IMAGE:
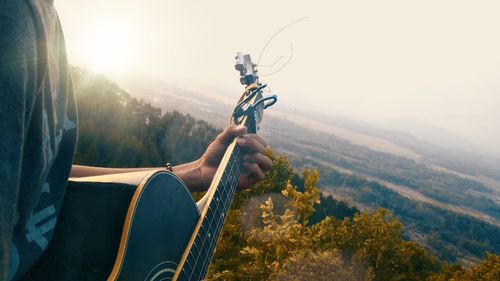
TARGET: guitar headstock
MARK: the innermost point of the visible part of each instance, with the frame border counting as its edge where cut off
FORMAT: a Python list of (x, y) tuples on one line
[(250, 108)]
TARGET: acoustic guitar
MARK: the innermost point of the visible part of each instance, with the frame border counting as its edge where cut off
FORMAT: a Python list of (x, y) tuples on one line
[(165, 235)]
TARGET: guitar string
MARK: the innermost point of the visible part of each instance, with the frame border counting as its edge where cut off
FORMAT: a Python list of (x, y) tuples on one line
[(212, 242), (231, 183), (230, 179), (203, 249), (220, 219)]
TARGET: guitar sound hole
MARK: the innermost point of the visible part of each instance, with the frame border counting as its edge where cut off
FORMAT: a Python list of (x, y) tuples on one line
[(162, 271)]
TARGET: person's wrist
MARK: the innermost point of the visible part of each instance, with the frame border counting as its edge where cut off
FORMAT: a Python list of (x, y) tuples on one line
[(197, 173), (194, 176)]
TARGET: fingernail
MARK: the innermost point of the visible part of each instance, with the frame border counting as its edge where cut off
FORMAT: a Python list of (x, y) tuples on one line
[(240, 141)]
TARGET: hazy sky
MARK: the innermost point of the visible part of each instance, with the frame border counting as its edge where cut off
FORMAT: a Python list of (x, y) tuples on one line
[(434, 61)]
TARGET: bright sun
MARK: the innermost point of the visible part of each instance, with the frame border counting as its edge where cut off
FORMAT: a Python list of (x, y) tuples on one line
[(110, 47)]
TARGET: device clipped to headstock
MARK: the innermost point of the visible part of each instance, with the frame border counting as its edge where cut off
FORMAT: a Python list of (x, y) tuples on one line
[(247, 69), (253, 102)]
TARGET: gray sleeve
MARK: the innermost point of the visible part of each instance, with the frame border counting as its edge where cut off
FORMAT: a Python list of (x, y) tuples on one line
[(18, 84)]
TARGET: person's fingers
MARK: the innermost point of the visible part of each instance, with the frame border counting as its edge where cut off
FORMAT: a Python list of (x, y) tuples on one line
[(257, 138), (260, 159), (252, 142), (254, 171), (230, 133), (251, 181)]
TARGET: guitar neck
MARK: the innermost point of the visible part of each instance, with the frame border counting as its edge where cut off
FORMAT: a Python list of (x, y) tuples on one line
[(196, 258), (201, 246)]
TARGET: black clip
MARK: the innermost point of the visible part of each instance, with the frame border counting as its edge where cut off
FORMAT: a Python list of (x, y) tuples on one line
[(253, 111), (273, 99), (250, 96)]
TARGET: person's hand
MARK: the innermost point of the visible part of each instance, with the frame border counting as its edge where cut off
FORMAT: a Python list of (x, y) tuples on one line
[(255, 162)]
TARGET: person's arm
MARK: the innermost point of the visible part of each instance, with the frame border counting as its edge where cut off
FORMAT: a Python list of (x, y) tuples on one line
[(188, 172), (80, 171), (197, 175)]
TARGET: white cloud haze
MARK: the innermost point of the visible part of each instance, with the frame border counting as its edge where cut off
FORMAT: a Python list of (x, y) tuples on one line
[(434, 61)]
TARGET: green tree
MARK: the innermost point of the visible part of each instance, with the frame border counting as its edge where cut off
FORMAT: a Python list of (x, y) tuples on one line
[(118, 130), (487, 270), (328, 265), (377, 239), (230, 261), (303, 202)]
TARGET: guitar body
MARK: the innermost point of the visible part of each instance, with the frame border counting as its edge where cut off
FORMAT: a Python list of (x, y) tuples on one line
[(159, 199), (120, 232)]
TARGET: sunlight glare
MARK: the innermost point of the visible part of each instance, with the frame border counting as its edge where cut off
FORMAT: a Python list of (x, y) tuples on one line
[(110, 47)]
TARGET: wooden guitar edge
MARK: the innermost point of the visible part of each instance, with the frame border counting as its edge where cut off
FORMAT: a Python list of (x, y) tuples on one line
[(127, 225)]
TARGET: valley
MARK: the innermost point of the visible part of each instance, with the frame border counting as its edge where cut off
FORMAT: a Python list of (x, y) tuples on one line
[(427, 187)]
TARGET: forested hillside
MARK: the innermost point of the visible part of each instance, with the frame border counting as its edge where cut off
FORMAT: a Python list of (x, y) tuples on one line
[(121, 131), (283, 228), (444, 187), (451, 236)]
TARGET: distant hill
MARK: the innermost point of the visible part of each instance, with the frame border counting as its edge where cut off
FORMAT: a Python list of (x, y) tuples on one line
[(447, 175)]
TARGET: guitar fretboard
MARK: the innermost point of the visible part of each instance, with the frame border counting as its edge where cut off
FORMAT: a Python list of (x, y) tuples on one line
[(200, 254)]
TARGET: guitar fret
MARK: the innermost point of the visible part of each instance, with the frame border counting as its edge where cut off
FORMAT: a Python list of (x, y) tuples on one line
[(203, 251), (188, 266), (184, 273), (220, 221), (210, 211), (195, 251), (205, 267), (199, 238), (202, 233), (218, 212), (194, 274), (206, 260), (212, 245), (198, 241), (198, 271), (197, 265), (211, 226)]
